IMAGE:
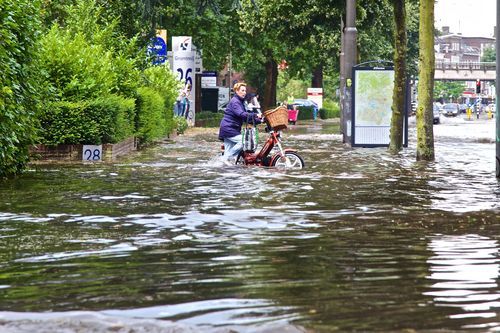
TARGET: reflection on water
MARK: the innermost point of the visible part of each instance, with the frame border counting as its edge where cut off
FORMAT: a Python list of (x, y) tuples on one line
[(359, 240), (465, 270)]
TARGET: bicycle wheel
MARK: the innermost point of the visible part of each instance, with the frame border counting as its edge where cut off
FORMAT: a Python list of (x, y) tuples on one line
[(291, 160)]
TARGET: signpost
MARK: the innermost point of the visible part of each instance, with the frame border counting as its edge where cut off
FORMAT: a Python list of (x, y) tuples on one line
[(315, 95), (372, 107), (157, 50), (183, 63)]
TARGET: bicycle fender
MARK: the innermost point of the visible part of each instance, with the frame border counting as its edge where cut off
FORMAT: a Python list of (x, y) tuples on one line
[(278, 155)]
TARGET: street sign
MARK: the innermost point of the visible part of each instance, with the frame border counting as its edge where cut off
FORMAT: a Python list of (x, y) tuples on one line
[(157, 48), (372, 107)]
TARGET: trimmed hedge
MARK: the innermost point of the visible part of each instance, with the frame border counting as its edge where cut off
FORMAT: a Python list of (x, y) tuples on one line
[(330, 109), (151, 120), (104, 120), (208, 119), (305, 112)]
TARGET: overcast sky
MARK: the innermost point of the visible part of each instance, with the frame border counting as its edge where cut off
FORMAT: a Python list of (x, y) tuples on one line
[(474, 18)]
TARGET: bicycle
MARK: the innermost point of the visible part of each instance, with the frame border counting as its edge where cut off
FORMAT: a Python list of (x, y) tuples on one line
[(276, 120)]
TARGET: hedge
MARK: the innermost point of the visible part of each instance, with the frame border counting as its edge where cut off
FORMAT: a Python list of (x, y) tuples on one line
[(108, 119), (152, 122), (19, 81), (330, 109), (305, 112)]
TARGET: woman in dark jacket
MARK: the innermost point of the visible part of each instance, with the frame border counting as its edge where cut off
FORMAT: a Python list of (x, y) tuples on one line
[(234, 116)]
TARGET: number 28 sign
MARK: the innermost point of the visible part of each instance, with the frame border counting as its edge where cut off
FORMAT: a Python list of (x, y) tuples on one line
[(92, 153)]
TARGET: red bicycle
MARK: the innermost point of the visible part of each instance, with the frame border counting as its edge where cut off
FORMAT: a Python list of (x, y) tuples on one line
[(276, 120)]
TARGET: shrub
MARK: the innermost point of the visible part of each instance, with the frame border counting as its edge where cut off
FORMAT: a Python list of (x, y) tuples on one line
[(115, 116), (305, 112), (151, 119), (20, 81), (76, 69), (208, 119), (161, 80), (330, 109), (66, 122), (180, 124), (104, 120)]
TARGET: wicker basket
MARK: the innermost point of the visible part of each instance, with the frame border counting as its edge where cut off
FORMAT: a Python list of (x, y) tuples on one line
[(277, 118)]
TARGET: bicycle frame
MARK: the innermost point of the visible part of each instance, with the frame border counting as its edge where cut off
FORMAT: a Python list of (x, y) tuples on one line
[(261, 158)]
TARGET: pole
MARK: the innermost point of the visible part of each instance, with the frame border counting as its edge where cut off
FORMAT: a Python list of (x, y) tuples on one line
[(342, 81), (350, 56), (230, 79), (497, 90)]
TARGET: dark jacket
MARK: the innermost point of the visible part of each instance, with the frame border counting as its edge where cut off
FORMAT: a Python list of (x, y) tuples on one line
[(233, 119)]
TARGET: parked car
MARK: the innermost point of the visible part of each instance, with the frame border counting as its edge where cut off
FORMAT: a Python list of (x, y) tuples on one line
[(451, 109), (463, 107), (306, 102), (436, 111)]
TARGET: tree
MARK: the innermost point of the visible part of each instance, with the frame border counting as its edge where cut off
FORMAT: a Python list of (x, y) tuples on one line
[(489, 55), (425, 134), (447, 89), (399, 92)]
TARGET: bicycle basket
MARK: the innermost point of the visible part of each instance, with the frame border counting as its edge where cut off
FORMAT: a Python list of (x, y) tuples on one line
[(277, 118)]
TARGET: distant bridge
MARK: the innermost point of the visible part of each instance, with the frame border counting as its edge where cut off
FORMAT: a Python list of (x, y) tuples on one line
[(465, 71)]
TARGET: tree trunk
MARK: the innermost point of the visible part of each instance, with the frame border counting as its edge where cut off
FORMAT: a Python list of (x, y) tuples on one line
[(317, 78), (425, 134), (399, 92), (270, 84)]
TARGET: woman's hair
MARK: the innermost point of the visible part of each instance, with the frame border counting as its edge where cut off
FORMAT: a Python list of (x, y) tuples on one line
[(238, 85)]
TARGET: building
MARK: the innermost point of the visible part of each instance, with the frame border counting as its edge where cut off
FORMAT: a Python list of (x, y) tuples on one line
[(451, 47), (454, 48)]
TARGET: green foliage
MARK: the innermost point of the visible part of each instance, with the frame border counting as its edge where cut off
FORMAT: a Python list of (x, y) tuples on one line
[(445, 89), (76, 69), (66, 122), (330, 109), (489, 55), (157, 81), (180, 124), (115, 116), (162, 80), (209, 119), (151, 121), (305, 112), (288, 86), (20, 81), (94, 77), (106, 119)]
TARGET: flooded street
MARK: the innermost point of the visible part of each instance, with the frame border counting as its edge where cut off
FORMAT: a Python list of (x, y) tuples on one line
[(170, 240)]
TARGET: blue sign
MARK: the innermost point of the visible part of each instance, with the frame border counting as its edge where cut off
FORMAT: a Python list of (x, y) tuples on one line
[(157, 50)]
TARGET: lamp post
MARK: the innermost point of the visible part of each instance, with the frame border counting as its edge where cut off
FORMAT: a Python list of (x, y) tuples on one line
[(349, 60)]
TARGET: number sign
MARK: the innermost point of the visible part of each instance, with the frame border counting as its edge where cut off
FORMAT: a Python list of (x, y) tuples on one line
[(92, 153)]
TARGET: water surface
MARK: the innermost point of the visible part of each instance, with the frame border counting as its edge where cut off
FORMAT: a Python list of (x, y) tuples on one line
[(169, 239)]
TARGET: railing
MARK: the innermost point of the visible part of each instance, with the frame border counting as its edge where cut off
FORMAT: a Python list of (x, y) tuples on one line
[(472, 66)]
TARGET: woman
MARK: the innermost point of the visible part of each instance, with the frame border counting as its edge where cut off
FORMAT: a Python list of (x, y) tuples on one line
[(230, 125)]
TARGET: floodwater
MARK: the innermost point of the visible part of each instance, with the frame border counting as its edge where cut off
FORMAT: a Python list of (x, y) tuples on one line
[(169, 240)]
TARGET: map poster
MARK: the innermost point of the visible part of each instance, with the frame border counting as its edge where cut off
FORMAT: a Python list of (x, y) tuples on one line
[(372, 106)]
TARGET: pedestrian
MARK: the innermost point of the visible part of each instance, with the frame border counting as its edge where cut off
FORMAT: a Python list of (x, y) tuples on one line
[(234, 117), (255, 102)]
